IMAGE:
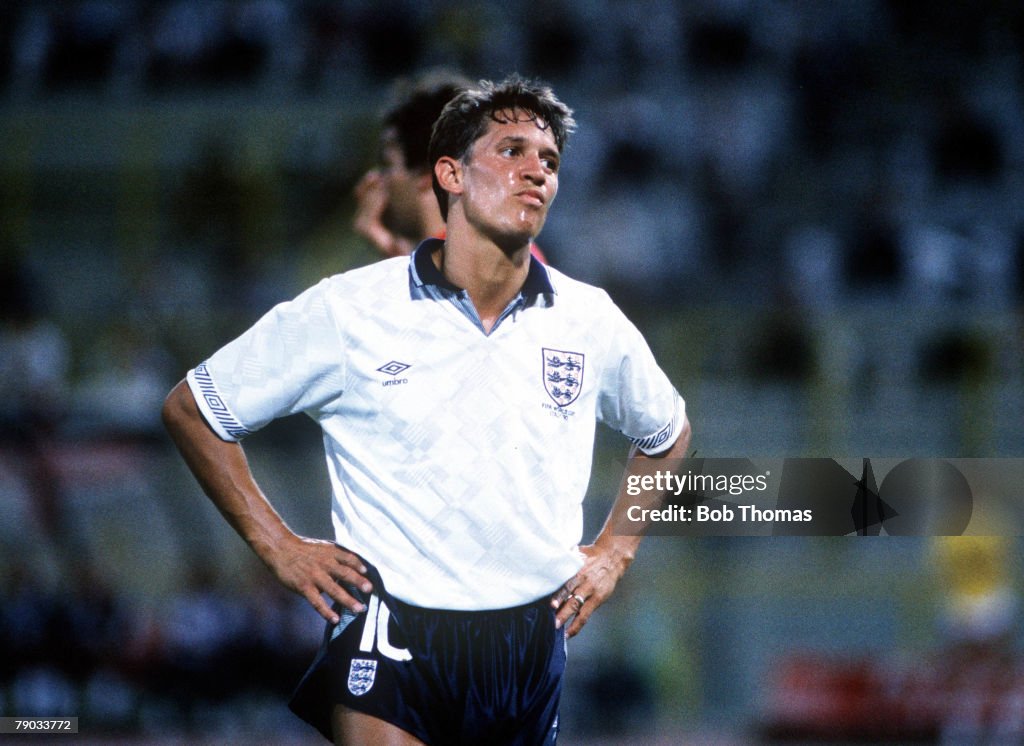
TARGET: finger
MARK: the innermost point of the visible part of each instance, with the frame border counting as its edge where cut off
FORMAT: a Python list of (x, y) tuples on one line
[(564, 593), (349, 576), (559, 598), (569, 607), (322, 608), (327, 576), (349, 559), (562, 615), (582, 615), (353, 569), (564, 607), (577, 623), (338, 594)]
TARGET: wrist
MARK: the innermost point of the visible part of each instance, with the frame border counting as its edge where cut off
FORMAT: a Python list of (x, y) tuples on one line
[(271, 545), (620, 550)]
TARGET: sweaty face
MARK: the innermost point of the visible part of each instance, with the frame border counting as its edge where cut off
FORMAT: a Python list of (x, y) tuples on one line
[(510, 178)]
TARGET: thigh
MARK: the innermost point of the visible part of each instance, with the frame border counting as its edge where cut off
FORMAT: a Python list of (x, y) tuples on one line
[(363, 667), (352, 728)]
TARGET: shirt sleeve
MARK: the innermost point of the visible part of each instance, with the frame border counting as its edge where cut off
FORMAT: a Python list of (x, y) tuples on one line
[(291, 360), (636, 397)]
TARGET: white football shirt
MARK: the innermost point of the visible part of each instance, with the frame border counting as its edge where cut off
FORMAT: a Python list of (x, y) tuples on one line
[(458, 460)]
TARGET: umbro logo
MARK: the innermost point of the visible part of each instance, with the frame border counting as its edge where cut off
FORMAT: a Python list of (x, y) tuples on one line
[(392, 369)]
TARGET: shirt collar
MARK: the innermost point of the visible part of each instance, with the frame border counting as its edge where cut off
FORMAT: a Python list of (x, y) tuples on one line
[(425, 273)]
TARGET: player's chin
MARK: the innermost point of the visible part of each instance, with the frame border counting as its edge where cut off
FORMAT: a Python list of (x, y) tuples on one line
[(530, 224), (511, 243), (513, 237)]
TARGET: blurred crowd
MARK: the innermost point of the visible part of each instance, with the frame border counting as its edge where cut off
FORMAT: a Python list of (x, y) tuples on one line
[(204, 660), (791, 160), (817, 152)]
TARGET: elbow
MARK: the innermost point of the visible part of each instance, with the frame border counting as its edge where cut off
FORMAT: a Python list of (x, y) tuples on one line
[(175, 408), (683, 441)]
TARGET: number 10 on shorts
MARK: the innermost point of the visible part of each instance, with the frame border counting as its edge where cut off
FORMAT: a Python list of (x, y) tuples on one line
[(377, 617)]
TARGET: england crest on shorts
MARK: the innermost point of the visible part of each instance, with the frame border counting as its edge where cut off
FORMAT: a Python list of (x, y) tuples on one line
[(563, 375), (361, 674)]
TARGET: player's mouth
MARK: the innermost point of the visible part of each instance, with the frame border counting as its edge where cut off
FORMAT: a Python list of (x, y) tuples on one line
[(533, 196)]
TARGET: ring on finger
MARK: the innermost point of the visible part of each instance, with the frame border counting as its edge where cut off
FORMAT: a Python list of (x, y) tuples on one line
[(579, 600)]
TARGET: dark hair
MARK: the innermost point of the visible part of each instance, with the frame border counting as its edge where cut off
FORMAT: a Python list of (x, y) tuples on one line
[(465, 119), (415, 105)]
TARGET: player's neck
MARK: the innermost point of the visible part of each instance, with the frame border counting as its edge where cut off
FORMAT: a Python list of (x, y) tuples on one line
[(491, 275)]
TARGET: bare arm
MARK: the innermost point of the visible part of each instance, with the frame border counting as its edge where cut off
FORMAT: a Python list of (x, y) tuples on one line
[(309, 567), (608, 558)]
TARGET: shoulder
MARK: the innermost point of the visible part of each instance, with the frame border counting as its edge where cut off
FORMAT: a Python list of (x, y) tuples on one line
[(376, 289), (372, 283), (579, 295), (587, 307), (384, 270)]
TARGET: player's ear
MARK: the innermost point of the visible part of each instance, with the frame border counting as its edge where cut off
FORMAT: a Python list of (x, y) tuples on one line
[(448, 172)]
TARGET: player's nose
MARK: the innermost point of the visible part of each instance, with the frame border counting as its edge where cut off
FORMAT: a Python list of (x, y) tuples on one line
[(533, 169)]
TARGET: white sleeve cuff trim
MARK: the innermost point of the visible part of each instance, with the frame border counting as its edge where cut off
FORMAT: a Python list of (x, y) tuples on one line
[(213, 407), (652, 445)]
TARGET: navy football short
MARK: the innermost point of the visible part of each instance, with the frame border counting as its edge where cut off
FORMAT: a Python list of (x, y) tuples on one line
[(447, 677)]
